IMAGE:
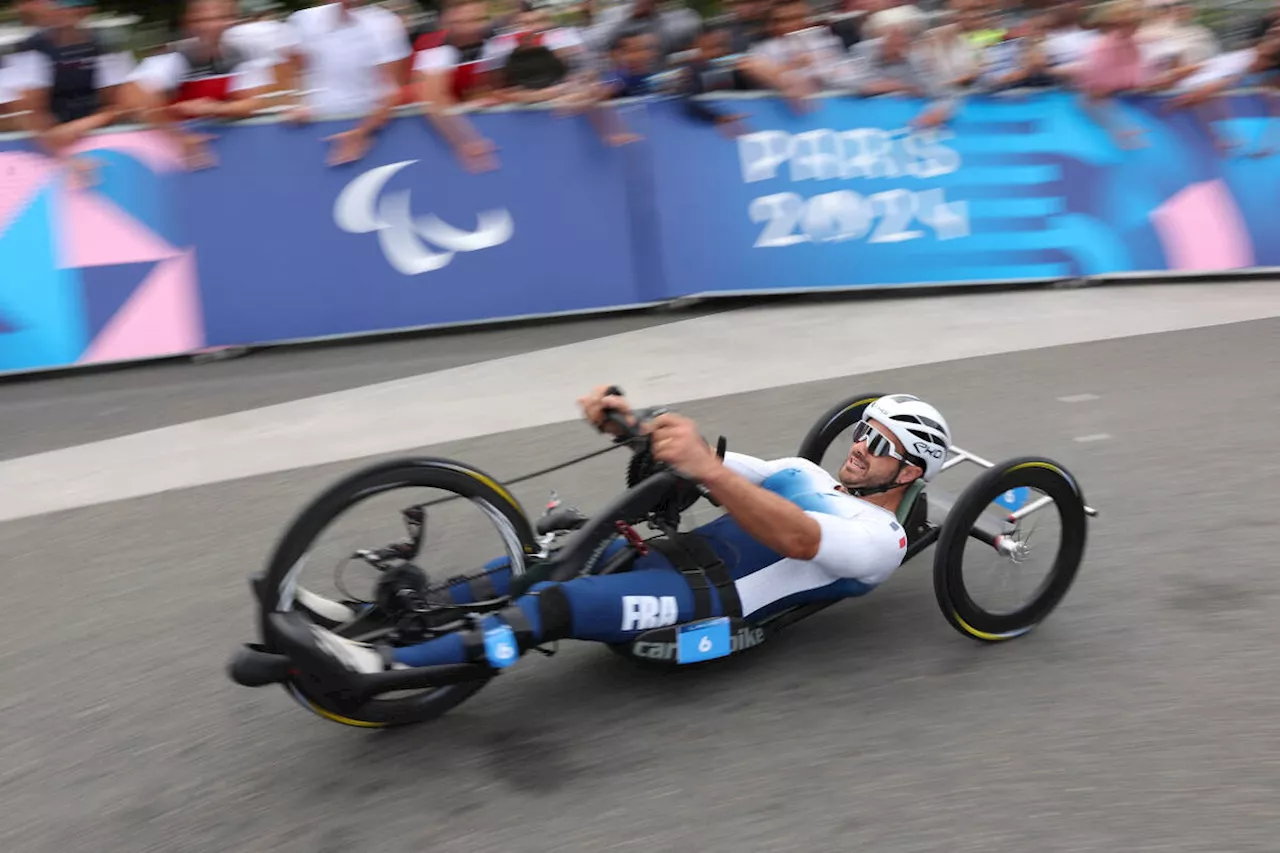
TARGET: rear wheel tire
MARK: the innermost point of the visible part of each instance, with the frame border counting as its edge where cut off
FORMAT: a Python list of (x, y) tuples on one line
[(834, 421), (278, 588)]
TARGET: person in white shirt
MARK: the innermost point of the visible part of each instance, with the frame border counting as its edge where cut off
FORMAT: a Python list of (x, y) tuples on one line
[(259, 34), (10, 97), (799, 59), (1203, 92), (346, 58)]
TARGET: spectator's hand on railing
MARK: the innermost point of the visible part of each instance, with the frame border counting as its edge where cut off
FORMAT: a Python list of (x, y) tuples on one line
[(298, 114), (348, 146), (935, 116), (195, 151), (731, 126), (477, 155), (198, 108)]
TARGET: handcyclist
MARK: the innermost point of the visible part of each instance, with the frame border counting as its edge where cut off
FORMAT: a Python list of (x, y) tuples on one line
[(791, 534)]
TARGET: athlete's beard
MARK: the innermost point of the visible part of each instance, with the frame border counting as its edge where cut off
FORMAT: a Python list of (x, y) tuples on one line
[(885, 485)]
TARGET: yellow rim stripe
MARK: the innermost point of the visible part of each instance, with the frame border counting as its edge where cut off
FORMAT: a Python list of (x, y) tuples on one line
[(1054, 468), (983, 635), (865, 402), (329, 715)]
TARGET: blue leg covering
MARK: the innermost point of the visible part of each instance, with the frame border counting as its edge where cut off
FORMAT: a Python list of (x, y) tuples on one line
[(618, 607)]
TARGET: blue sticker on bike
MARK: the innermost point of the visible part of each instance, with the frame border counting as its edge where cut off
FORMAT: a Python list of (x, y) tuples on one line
[(703, 641), (1014, 499), (500, 646)]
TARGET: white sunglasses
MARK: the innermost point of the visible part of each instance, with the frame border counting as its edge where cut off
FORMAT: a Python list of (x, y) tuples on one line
[(878, 444)]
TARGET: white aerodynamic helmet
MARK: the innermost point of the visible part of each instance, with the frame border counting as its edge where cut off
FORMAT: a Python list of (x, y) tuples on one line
[(920, 427)]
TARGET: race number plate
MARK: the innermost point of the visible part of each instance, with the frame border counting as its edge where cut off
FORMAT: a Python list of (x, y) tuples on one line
[(703, 641), (500, 646)]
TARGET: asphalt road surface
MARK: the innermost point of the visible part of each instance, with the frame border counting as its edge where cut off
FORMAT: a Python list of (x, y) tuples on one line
[(1142, 716)]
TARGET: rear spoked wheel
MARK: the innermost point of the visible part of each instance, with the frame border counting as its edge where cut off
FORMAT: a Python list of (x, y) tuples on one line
[(441, 517), (1010, 549)]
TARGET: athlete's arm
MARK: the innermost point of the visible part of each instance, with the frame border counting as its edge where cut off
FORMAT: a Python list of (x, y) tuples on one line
[(867, 547), (768, 518), (752, 468)]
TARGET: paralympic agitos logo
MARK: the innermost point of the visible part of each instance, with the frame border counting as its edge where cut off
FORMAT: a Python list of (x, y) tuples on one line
[(411, 245)]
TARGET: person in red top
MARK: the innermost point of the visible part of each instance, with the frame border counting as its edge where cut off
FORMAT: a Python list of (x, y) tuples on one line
[(448, 71), (198, 78)]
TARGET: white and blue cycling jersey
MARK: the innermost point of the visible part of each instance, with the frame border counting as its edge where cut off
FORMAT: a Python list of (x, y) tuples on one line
[(861, 546)]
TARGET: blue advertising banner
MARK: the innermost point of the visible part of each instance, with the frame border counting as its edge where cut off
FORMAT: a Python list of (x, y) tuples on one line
[(290, 247), (273, 244), (1014, 188)]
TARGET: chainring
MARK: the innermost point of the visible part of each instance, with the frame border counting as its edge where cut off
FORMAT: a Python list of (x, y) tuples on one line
[(685, 494)]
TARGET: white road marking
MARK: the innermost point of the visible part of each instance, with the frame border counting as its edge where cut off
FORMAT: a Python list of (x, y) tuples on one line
[(1078, 398), (730, 353), (1097, 436)]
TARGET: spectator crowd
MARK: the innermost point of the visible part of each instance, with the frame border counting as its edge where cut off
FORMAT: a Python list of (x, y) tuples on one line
[(363, 61)]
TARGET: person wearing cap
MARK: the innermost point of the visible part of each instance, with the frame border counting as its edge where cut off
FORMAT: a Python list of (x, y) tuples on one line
[(346, 57), (69, 82)]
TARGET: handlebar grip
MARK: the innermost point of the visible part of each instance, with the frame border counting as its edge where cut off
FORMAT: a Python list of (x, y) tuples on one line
[(613, 415)]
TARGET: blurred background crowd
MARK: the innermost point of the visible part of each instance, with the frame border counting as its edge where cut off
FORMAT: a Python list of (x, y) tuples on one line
[(71, 67)]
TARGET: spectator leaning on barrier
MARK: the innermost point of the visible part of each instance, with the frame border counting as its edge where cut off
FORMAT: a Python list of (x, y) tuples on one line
[(890, 61), (346, 57), (200, 77), (10, 97), (1115, 65), (709, 68), (1022, 61), (259, 33), (1203, 92), (69, 82), (448, 72), (1262, 26), (674, 27), (1068, 43), (537, 62), (631, 71), (952, 58), (1174, 46), (799, 59), (747, 22)]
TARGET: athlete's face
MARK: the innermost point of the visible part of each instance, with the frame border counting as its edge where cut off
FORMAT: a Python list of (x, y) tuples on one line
[(861, 469)]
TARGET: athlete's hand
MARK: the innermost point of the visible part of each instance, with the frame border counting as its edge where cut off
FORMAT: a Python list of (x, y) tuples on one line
[(677, 442), (595, 404)]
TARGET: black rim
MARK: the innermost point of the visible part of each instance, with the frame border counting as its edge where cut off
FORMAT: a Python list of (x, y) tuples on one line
[(834, 421), (949, 583), (440, 474)]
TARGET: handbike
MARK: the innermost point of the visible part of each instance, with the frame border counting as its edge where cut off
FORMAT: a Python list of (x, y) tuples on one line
[(563, 544)]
